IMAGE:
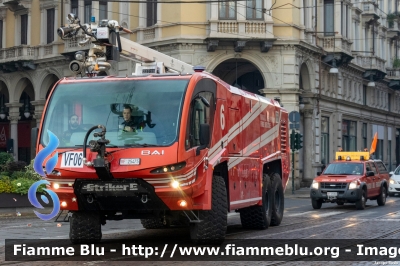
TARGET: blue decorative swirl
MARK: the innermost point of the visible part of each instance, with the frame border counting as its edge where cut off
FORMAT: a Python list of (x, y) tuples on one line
[(41, 156), (32, 198)]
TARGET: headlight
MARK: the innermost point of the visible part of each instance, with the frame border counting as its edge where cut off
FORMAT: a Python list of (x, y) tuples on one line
[(169, 168), (315, 185), (354, 185), (391, 181)]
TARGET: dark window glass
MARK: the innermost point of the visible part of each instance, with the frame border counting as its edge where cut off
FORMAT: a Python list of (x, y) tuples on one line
[(50, 25), (254, 9), (88, 11), (102, 10), (1, 34), (151, 13), (349, 135), (381, 168), (227, 10), (24, 29), (74, 7), (329, 18)]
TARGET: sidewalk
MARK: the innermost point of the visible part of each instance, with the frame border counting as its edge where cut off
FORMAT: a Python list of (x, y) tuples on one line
[(300, 193), (22, 211)]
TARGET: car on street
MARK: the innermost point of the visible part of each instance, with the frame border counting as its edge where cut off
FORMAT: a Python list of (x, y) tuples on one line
[(394, 182), (351, 178)]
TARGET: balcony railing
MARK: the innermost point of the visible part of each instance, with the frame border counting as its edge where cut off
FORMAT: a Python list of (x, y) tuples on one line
[(23, 52), (370, 62), (28, 53), (334, 45), (393, 73), (242, 29)]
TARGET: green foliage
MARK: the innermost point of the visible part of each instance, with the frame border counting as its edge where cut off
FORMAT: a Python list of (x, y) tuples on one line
[(396, 63), (22, 185), (390, 19), (17, 174), (15, 166), (5, 158), (5, 185), (31, 173)]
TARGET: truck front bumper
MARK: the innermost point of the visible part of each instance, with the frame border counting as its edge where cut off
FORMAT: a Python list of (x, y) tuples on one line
[(350, 195)]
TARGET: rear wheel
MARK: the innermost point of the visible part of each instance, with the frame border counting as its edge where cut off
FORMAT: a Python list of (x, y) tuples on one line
[(259, 217), (316, 204), (382, 197), (360, 204), (212, 228), (278, 201), (85, 227)]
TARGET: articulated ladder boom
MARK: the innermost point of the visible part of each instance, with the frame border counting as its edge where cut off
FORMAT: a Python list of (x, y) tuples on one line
[(150, 58)]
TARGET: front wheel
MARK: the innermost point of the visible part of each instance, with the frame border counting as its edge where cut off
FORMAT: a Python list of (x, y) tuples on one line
[(85, 227), (360, 204), (316, 204), (213, 223)]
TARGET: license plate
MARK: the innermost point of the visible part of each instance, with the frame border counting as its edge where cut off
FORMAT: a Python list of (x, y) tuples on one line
[(131, 161), (331, 195), (72, 159)]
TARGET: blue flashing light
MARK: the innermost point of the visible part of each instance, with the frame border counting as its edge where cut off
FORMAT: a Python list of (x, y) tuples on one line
[(93, 19), (198, 68)]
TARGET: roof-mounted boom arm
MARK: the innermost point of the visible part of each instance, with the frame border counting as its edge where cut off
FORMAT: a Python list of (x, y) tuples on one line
[(138, 52)]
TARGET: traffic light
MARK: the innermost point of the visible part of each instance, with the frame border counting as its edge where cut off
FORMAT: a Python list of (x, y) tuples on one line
[(298, 141), (292, 136)]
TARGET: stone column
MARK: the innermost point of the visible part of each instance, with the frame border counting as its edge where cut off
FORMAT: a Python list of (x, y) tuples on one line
[(39, 106), (14, 117), (308, 148)]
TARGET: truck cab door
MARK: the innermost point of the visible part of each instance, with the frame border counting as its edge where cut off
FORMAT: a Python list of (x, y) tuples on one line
[(372, 181)]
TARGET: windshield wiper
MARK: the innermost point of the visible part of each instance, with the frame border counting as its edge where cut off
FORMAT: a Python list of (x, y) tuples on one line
[(141, 145)]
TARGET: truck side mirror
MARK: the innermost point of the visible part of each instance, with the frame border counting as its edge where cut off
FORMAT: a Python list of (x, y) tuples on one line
[(391, 173), (204, 137), (319, 173), (370, 173)]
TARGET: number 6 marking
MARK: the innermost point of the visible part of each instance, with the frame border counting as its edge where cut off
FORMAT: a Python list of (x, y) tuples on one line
[(222, 118)]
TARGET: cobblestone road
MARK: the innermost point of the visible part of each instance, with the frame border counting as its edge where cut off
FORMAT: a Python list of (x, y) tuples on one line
[(300, 222)]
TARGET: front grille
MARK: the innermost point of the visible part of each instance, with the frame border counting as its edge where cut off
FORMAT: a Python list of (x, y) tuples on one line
[(331, 185), (398, 189)]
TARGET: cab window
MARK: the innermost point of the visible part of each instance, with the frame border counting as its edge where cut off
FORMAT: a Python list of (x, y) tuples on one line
[(373, 168), (199, 112), (382, 168)]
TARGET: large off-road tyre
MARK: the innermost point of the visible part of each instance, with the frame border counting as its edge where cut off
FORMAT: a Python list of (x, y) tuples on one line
[(278, 199), (316, 204), (212, 228), (259, 217), (85, 227), (153, 223), (360, 204), (381, 200)]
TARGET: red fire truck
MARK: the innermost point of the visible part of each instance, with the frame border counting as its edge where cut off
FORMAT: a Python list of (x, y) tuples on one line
[(195, 149)]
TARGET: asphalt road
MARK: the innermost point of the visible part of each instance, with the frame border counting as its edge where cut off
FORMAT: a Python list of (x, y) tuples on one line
[(300, 222)]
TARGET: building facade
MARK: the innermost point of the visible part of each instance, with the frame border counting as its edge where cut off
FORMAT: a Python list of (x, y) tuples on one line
[(287, 50)]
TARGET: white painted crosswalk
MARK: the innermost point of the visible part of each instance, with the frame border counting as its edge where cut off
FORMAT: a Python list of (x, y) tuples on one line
[(314, 214)]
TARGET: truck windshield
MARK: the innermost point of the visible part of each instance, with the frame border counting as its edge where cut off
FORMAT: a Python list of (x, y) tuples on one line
[(344, 169), (135, 112)]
